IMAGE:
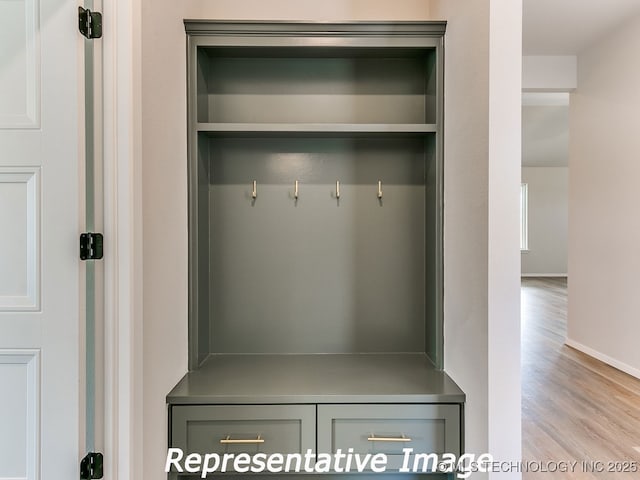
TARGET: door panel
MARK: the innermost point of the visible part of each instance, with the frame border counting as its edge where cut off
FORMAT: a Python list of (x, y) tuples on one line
[(20, 60), (19, 413), (20, 241), (39, 227)]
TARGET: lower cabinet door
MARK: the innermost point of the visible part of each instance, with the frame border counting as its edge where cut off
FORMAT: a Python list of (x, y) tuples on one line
[(236, 429), (390, 429)]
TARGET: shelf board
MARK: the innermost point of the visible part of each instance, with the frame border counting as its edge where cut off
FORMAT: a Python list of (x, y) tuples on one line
[(319, 378), (324, 129)]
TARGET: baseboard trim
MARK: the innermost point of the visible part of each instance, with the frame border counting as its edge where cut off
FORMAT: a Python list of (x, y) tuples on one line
[(533, 275), (634, 372)]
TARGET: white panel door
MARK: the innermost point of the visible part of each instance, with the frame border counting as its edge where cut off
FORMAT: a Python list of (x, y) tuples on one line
[(39, 227)]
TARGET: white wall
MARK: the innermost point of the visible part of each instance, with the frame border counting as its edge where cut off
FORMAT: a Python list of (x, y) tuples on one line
[(466, 204), (548, 220), (482, 178), (604, 231), (505, 94), (545, 133), (549, 73), (164, 174)]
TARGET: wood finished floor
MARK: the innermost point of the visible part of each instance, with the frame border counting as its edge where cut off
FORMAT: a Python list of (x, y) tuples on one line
[(574, 408)]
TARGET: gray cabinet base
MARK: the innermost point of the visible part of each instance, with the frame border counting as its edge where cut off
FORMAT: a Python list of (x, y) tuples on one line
[(324, 403)]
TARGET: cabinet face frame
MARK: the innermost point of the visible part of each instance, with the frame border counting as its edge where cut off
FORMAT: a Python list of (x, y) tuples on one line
[(200, 429), (259, 35)]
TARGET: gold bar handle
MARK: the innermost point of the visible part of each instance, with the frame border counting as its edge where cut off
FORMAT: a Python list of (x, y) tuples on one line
[(233, 441), (295, 190), (379, 188), (401, 438), (254, 189)]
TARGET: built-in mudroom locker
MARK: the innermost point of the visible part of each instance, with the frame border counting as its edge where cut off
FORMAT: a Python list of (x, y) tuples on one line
[(315, 170)]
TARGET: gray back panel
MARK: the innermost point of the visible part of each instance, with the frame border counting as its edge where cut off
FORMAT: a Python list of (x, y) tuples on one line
[(317, 275)]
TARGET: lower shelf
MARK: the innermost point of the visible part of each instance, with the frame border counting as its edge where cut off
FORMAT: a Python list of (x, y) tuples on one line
[(319, 378)]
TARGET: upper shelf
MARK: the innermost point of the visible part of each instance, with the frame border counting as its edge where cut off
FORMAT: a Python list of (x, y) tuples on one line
[(245, 129), (305, 89)]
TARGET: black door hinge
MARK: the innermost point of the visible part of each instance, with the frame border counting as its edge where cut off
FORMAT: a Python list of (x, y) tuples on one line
[(91, 246), (91, 466), (90, 23)]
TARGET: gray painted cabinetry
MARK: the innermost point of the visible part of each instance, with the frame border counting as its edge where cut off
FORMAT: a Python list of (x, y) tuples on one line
[(315, 243)]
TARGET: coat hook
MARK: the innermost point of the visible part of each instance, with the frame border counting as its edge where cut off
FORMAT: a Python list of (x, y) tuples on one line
[(254, 190), (295, 190), (337, 189), (379, 189)]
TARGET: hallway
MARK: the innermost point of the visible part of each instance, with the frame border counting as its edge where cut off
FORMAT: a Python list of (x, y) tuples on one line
[(574, 408)]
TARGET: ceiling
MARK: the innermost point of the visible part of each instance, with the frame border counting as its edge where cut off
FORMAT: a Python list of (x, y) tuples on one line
[(566, 27)]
